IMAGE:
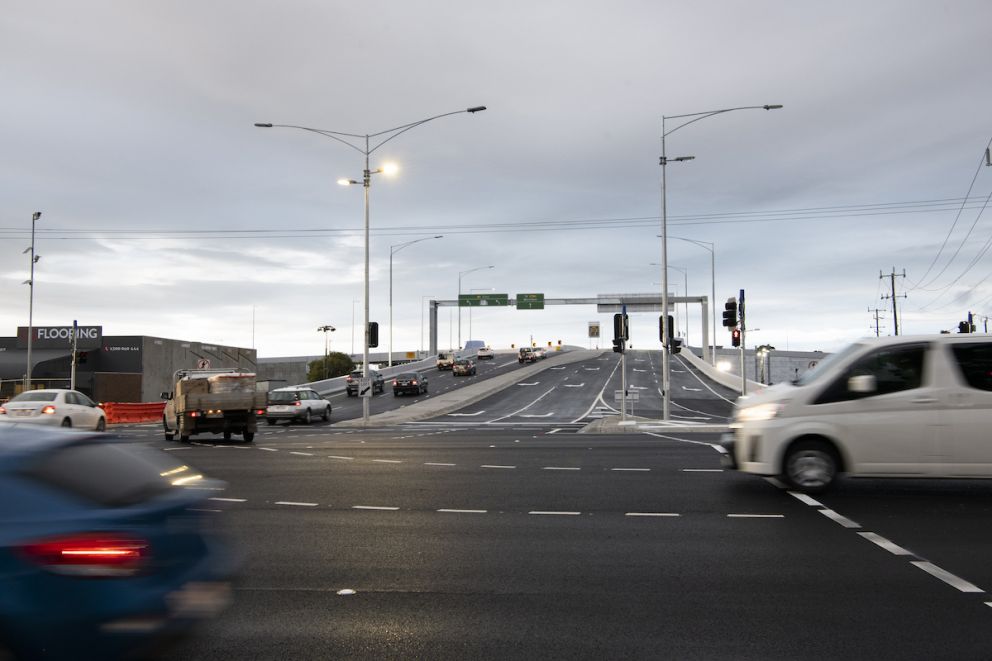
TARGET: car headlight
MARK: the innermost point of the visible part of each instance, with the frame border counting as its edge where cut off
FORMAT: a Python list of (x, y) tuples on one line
[(760, 412)]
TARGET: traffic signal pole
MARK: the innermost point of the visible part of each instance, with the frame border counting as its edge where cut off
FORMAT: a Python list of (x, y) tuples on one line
[(740, 308)]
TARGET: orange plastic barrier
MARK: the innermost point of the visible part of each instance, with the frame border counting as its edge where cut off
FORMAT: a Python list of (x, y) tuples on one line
[(118, 412)]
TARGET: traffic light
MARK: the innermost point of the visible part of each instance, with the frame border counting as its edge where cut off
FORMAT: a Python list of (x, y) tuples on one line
[(373, 334), (730, 313), (618, 345), (965, 327), (670, 326), (620, 326), (676, 344), (735, 337)]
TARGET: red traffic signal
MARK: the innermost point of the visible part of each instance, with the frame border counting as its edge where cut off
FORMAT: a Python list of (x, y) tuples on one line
[(735, 337)]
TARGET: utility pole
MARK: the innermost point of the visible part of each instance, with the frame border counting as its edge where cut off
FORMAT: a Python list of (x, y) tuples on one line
[(875, 313), (892, 277)]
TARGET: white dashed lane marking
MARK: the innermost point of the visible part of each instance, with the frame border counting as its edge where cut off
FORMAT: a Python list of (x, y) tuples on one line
[(451, 511), (653, 514), (295, 504), (380, 508), (842, 520), (894, 549), (755, 516), (946, 576), (493, 466)]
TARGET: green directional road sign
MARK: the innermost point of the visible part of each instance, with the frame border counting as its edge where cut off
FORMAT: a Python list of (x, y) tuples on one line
[(530, 301), (476, 300)]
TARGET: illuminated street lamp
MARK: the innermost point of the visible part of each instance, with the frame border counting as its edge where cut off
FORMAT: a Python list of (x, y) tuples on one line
[(392, 251), (367, 144), (690, 118)]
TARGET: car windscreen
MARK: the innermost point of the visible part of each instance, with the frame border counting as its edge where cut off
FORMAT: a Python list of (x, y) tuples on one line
[(35, 397), (283, 396), (111, 475)]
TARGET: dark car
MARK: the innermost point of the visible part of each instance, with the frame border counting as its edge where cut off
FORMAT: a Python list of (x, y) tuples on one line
[(351, 383), (409, 382), (105, 547), (463, 367)]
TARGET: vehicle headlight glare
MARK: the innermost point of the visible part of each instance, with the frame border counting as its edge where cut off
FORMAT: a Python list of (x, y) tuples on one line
[(759, 412)]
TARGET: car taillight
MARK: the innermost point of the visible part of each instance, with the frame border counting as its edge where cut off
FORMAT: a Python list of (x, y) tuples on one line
[(349, 379), (413, 383), (2, 410), (48, 410), (100, 555), (297, 403), (394, 382), (259, 411)]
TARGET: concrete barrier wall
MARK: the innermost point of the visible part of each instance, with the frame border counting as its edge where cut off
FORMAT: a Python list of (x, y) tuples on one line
[(732, 381)]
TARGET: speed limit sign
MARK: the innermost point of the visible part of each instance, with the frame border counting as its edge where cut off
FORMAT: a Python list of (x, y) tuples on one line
[(203, 364)]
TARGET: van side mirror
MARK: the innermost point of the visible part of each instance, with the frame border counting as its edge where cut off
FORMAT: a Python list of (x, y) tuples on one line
[(166, 395), (864, 383)]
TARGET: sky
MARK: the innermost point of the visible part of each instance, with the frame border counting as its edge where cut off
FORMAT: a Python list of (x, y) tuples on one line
[(166, 212)]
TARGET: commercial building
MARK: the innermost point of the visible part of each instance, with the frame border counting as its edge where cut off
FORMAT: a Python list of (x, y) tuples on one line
[(109, 368)]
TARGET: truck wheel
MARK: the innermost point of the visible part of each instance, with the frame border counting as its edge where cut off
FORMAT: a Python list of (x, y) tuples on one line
[(168, 434), (249, 436)]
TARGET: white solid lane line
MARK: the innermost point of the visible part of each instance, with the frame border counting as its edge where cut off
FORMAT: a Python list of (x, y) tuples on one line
[(561, 468), (374, 507), (492, 466), (229, 500), (289, 502), (892, 548), (947, 577), (303, 454), (543, 513), (386, 461), (333, 456), (451, 511), (437, 463)]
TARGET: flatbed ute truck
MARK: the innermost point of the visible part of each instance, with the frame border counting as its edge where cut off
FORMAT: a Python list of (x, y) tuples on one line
[(218, 401)]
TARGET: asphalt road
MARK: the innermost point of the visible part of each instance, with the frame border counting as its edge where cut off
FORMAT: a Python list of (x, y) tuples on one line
[(517, 543)]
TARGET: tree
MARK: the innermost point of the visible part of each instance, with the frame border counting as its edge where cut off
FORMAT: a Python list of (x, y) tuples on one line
[(338, 364)]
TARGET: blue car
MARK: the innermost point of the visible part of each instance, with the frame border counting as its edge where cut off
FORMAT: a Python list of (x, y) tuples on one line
[(104, 548)]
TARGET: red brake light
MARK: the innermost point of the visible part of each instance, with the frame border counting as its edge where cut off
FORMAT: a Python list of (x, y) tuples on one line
[(394, 382), (2, 410), (98, 555), (48, 410), (259, 411), (297, 403), (414, 382)]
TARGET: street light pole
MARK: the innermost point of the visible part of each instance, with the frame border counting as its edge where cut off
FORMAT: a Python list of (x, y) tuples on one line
[(382, 137), (30, 283), (691, 118), (480, 268), (712, 248), (324, 329), (392, 251)]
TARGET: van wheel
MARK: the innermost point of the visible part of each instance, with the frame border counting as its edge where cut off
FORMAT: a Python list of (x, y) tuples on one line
[(101, 424), (249, 436), (227, 436), (811, 466)]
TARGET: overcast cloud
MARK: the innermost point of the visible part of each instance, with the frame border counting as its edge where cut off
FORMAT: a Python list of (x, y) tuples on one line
[(166, 213)]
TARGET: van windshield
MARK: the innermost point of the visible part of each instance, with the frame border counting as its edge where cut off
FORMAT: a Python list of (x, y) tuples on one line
[(823, 366)]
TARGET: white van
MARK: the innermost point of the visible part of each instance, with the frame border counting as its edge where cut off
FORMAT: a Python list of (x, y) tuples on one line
[(882, 407)]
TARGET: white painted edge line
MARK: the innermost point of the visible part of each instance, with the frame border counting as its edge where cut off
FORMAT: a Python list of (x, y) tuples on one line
[(386, 461), (545, 513), (946, 576), (702, 470), (288, 502), (560, 468), (638, 470), (374, 507), (803, 498), (892, 548), (229, 500), (450, 511), (303, 454), (175, 449), (437, 463), (269, 449), (492, 466), (755, 516), (331, 456), (839, 518), (656, 514)]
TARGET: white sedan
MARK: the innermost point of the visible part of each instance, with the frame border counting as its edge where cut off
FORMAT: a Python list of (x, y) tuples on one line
[(60, 408)]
